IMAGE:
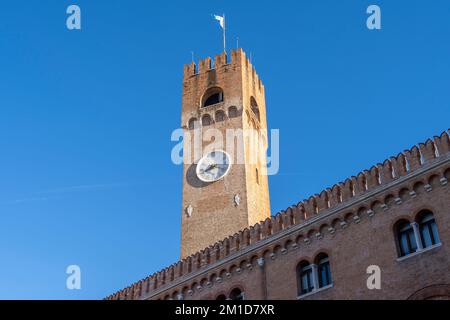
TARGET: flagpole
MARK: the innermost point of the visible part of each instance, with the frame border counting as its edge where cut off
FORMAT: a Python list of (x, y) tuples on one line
[(224, 35)]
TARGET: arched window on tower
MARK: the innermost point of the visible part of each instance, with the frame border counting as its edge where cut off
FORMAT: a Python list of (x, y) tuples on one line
[(428, 229), (193, 123), (221, 297), (232, 112), (255, 108), (219, 116), (212, 96), (206, 120)]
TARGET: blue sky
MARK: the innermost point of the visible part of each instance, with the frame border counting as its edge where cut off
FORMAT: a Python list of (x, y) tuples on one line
[(86, 117)]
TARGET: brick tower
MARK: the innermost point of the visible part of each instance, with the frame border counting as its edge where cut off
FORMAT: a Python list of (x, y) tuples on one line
[(224, 100)]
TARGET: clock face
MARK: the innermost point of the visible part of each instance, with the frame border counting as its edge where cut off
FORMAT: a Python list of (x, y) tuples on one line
[(213, 166)]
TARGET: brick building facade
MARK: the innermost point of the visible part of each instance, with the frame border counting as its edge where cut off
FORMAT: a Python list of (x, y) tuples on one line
[(391, 220)]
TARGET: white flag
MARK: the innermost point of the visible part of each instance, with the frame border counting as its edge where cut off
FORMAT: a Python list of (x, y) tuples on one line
[(221, 20)]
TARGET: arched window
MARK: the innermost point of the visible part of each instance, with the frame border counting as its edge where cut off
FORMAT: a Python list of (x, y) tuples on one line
[(221, 297), (232, 112), (447, 174), (212, 96), (206, 120), (323, 270), (428, 229), (254, 107), (193, 123), (305, 277), (220, 116), (406, 238), (236, 294), (417, 236)]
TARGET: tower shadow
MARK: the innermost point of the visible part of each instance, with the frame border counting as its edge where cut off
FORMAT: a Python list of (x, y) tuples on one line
[(192, 179)]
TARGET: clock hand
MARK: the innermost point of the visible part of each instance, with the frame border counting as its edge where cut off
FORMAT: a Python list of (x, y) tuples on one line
[(210, 167), (205, 170)]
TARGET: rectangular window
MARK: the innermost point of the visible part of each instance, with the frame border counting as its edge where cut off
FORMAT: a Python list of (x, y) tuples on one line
[(324, 274), (306, 281), (407, 241), (434, 232), (426, 236), (412, 241), (404, 245), (429, 234)]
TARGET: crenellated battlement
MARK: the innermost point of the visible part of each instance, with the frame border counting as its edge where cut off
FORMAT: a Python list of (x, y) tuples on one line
[(238, 59), (206, 65), (379, 175)]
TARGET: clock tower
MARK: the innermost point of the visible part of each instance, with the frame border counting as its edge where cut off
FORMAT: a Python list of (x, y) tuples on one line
[(225, 187)]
